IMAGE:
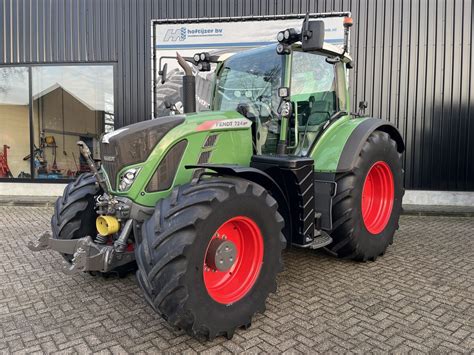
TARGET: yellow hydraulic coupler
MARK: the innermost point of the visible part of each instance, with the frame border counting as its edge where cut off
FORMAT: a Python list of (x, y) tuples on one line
[(107, 225)]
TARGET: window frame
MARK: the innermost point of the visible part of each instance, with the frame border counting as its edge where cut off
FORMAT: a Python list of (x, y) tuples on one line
[(30, 67)]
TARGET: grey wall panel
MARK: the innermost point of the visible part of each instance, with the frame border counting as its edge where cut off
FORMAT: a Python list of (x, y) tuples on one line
[(414, 62)]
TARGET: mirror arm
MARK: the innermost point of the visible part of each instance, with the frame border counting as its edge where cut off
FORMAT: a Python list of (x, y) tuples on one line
[(159, 62)]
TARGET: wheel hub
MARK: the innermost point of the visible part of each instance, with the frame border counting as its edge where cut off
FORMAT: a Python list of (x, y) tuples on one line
[(377, 197), (221, 255), (233, 259)]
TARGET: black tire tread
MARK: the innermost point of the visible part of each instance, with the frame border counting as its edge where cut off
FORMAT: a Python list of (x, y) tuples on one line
[(77, 199), (168, 234), (345, 245)]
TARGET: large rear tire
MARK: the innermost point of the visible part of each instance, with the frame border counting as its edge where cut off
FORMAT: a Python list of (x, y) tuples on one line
[(367, 205), (175, 272)]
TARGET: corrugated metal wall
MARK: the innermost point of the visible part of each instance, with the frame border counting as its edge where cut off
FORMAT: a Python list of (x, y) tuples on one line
[(414, 62)]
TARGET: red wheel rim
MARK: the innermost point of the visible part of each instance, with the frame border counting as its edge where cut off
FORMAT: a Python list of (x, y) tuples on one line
[(377, 197), (230, 286)]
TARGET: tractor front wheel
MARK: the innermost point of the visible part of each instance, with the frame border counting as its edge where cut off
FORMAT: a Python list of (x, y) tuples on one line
[(368, 201), (74, 214), (209, 255), (74, 217)]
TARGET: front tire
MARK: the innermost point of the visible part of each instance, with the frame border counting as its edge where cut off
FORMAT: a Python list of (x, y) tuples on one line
[(74, 217), (175, 273), (74, 214), (367, 205)]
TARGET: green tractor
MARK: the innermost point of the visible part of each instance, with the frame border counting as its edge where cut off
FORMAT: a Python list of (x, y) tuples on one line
[(203, 204)]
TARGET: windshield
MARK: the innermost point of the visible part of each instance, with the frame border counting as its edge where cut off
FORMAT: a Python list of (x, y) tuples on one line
[(249, 77), (248, 83)]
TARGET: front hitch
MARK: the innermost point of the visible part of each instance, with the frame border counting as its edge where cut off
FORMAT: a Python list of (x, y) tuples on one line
[(86, 255)]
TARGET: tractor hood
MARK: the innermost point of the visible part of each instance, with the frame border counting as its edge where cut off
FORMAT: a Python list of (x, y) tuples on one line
[(132, 144)]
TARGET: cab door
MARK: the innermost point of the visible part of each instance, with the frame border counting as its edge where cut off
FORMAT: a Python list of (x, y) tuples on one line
[(315, 95)]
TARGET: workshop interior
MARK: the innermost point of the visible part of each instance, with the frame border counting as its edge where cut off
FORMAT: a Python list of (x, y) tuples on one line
[(67, 104)]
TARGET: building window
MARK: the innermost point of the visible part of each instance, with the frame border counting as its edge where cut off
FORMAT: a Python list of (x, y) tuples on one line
[(64, 104), (14, 123), (69, 103)]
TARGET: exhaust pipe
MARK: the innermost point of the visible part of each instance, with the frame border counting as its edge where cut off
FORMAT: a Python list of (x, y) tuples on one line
[(189, 86)]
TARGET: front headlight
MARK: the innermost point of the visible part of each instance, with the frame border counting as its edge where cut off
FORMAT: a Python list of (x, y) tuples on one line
[(127, 178)]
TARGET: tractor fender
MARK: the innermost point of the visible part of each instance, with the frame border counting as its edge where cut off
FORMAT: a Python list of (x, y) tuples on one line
[(259, 177), (359, 136)]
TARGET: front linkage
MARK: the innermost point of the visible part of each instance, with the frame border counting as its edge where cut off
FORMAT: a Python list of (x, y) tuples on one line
[(87, 255), (101, 255)]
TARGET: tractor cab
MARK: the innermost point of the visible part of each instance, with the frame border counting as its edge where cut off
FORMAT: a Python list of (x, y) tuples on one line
[(258, 82), (290, 90)]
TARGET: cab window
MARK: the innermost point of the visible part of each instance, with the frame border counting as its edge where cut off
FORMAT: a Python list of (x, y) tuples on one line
[(313, 88), (314, 95)]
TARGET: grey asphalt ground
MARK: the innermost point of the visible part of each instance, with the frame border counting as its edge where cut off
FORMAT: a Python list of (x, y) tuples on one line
[(418, 298)]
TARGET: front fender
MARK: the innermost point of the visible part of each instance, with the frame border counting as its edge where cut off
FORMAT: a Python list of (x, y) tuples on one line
[(338, 147), (260, 177)]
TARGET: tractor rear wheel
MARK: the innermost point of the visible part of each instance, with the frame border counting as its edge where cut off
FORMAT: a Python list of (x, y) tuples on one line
[(209, 255), (367, 205)]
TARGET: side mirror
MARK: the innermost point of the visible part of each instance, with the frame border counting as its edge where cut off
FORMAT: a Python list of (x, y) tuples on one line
[(163, 73), (312, 35)]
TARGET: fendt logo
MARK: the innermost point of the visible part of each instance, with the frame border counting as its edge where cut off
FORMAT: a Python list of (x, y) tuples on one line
[(177, 34)]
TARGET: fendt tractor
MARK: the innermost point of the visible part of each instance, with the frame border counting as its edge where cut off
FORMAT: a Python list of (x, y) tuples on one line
[(202, 204)]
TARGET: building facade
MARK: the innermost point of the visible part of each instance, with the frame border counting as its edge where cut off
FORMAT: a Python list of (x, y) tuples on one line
[(73, 69)]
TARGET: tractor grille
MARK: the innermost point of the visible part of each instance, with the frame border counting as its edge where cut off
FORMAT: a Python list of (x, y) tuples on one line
[(109, 165)]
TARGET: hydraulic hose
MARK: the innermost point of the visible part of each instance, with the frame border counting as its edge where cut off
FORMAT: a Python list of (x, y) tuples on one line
[(86, 153)]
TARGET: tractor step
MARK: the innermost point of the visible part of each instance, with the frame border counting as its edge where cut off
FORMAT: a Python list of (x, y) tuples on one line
[(320, 241)]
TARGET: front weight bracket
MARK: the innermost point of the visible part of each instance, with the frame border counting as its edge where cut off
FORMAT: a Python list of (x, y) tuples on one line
[(87, 255)]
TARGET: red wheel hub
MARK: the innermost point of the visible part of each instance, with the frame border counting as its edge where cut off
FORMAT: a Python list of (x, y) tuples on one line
[(377, 197), (237, 244)]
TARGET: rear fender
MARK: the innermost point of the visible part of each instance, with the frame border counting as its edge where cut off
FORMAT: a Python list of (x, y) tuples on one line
[(337, 152), (339, 147)]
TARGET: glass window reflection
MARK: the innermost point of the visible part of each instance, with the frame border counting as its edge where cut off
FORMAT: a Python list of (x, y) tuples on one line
[(14, 123), (70, 103)]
